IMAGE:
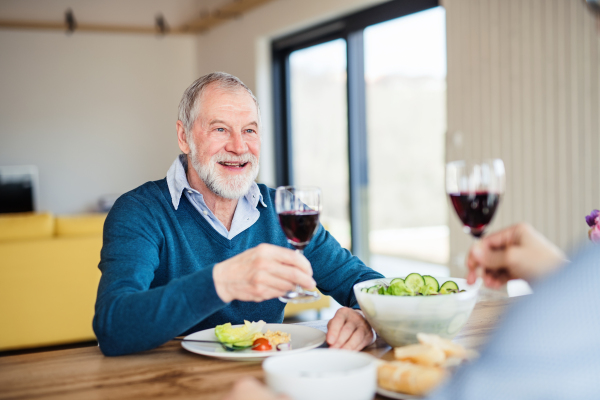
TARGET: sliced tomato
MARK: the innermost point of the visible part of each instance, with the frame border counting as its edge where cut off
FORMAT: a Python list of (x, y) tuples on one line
[(262, 344)]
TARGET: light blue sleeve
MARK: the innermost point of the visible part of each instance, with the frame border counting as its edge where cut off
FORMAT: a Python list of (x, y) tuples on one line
[(547, 346)]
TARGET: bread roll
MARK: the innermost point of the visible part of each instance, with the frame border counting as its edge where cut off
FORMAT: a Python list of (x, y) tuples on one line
[(405, 377), (420, 354), (450, 349)]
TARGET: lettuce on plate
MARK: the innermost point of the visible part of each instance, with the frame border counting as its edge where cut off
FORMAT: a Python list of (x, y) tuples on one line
[(241, 336)]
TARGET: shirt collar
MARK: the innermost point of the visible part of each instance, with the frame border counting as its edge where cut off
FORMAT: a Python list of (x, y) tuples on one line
[(177, 183), (254, 196)]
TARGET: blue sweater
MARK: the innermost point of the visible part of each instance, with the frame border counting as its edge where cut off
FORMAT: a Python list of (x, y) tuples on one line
[(157, 263)]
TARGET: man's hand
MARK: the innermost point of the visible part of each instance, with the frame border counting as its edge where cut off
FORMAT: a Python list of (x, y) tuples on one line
[(516, 252), (262, 273), (348, 329), (249, 388)]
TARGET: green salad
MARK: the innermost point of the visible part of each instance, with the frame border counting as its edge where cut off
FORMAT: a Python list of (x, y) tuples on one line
[(239, 336), (414, 285)]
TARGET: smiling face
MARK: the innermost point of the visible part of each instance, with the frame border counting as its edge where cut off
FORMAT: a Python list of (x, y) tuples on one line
[(224, 142)]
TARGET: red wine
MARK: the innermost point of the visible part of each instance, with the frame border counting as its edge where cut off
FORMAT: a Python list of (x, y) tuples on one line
[(475, 210), (299, 226)]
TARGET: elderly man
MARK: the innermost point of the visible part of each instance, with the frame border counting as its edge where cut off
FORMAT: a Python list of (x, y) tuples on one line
[(203, 247)]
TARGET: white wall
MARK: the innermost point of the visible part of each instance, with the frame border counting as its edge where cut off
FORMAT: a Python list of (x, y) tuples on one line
[(243, 48), (95, 112)]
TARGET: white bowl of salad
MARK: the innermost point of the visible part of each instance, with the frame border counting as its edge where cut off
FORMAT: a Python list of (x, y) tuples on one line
[(399, 308)]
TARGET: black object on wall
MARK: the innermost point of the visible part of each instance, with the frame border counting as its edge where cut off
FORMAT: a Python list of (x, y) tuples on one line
[(18, 189)]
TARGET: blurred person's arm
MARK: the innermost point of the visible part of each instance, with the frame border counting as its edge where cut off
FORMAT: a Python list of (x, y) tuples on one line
[(546, 346), (516, 252)]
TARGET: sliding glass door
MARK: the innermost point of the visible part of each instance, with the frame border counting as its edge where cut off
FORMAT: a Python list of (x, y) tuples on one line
[(360, 111)]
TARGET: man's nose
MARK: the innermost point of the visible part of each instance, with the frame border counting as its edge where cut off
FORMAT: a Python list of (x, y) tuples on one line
[(237, 144)]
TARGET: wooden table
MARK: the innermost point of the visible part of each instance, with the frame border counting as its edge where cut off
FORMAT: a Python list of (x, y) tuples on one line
[(168, 371)]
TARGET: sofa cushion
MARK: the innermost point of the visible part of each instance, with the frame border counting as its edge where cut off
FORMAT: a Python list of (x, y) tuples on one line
[(47, 291), (79, 225), (26, 226)]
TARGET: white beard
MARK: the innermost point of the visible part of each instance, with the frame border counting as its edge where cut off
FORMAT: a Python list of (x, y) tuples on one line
[(228, 187)]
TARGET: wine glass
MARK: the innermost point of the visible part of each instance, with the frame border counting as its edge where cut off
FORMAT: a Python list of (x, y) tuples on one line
[(298, 209), (475, 189)]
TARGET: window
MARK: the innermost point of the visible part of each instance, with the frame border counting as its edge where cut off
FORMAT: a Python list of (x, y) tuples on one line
[(320, 130), (406, 124), (360, 111)]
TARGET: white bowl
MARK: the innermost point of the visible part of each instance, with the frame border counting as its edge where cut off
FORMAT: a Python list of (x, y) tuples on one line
[(398, 319), (323, 374)]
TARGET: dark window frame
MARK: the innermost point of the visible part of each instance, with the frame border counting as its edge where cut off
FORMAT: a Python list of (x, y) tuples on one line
[(350, 28)]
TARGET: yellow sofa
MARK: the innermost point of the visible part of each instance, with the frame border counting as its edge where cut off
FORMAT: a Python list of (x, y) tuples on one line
[(49, 278)]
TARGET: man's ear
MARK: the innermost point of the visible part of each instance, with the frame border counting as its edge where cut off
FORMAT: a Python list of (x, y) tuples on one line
[(182, 138)]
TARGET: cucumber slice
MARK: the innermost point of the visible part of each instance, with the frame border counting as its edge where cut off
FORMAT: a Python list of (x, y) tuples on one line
[(398, 288), (396, 280), (381, 290), (431, 285), (373, 289), (414, 283), (364, 289), (449, 287)]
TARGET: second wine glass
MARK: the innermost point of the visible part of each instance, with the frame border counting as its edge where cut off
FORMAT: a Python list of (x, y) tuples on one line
[(298, 209), (475, 189)]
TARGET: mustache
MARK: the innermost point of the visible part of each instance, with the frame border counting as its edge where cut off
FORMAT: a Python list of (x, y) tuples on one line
[(244, 158)]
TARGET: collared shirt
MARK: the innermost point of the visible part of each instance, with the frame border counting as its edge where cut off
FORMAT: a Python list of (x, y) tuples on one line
[(246, 212)]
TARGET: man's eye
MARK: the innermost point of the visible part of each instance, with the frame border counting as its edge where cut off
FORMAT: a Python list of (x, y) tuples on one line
[(250, 131), (220, 129)]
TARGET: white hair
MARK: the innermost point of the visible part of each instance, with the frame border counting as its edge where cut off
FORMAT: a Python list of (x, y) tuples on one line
[(189, 106)]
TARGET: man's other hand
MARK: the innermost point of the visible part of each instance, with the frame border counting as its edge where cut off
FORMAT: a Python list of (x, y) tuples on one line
[(348, 329), (262, 273), (516, 252)]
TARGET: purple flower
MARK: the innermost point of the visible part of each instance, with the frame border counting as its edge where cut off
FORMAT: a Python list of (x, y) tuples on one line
[(592, 218)]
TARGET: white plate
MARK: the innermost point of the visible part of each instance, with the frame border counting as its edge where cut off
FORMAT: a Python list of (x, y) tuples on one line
[(303, 338), (396, 395)]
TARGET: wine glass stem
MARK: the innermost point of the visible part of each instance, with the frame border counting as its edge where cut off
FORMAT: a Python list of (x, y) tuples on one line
[(298, 287)]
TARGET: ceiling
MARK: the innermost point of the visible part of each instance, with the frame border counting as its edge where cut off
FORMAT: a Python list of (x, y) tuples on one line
[(126, 13)]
